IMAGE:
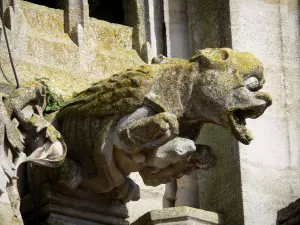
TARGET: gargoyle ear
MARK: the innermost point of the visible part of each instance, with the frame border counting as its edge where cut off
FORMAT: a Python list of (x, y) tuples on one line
[(211, 57), (201, 59)]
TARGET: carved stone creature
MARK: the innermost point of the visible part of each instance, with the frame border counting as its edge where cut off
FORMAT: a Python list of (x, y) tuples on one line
[(25, 136), (146, 119)]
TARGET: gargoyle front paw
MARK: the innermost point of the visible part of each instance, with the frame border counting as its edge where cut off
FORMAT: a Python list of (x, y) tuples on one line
[(151, 131), (164, 127), (173, 151), (128, 191)]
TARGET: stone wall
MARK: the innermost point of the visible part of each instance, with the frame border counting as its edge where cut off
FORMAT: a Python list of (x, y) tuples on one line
[(41, 49), (270, 166), (251, 183)]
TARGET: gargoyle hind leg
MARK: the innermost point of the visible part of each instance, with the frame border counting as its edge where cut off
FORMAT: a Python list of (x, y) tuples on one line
[(143, 128)]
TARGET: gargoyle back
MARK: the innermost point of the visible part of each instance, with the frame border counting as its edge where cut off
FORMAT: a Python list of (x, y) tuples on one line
[(117, 95)]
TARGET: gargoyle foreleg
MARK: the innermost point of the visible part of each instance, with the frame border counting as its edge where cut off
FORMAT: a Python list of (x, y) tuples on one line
[(144, 129)]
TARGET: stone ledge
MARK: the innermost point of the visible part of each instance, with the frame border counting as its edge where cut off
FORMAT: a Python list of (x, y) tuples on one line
[(60, 206), (179, 216)]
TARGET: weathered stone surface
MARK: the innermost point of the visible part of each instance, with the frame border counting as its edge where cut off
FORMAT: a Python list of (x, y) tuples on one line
[(209, 24), (41, 49), (179, 216)]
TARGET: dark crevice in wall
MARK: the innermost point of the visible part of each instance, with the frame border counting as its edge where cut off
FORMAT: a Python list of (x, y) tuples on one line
[(56, 4), (108, 10)]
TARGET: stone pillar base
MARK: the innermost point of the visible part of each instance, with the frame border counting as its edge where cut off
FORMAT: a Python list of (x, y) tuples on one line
[(179, 216), (61, 207)]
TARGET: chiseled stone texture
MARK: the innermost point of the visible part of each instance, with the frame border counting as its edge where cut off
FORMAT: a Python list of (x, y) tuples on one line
[(40, 48), (270, 166), (179, 216)]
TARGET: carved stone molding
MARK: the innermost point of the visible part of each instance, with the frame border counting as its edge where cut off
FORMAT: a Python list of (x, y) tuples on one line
[(180, 216)]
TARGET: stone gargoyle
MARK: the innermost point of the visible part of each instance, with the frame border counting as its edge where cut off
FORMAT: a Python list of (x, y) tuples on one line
[(146, 119), (25, 136)]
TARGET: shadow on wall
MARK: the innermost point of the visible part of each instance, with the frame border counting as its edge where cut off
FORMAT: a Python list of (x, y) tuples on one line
[(57, 4), (220, 188)]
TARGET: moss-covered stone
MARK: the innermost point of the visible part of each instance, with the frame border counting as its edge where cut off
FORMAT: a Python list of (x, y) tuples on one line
[(41, 49), (142, 109)]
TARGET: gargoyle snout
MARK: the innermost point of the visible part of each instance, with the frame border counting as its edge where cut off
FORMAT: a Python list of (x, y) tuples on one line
[(258, 109), (265, 97)]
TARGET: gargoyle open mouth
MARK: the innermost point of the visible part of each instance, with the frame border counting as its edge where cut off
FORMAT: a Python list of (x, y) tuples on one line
[(237, 122)]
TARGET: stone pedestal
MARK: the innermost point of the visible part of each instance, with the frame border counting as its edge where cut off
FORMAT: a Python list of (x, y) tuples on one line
[(57, 206), (179, 216)]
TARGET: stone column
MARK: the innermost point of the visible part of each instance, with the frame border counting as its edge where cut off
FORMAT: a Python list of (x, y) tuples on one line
[(177, 32), (219, 187), (156, 26), (184, 191), (270, 166), (209, 24), (146, 18), (76, 14), (8, 9), (135, 17)]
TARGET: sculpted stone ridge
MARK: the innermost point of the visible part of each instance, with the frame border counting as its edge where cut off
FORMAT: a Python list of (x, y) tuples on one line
[(146, 118), (25, 136)]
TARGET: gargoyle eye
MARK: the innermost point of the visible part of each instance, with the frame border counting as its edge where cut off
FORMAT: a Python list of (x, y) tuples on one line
[(252, 83), (224, 55)]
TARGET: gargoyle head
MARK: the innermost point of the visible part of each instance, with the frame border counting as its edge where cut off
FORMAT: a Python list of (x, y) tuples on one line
[(226, 92)]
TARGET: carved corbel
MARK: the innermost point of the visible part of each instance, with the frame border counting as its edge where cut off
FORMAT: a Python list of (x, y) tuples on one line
[(25, 136)]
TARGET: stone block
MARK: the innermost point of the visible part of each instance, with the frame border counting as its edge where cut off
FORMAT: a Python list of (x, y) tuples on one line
[(179, 216), (57, 205)]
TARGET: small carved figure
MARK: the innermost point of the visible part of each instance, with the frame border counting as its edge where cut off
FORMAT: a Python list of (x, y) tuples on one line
[(146, 119), (25, 136)]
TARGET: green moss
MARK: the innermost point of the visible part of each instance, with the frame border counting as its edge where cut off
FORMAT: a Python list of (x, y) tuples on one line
[(53, 101)]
